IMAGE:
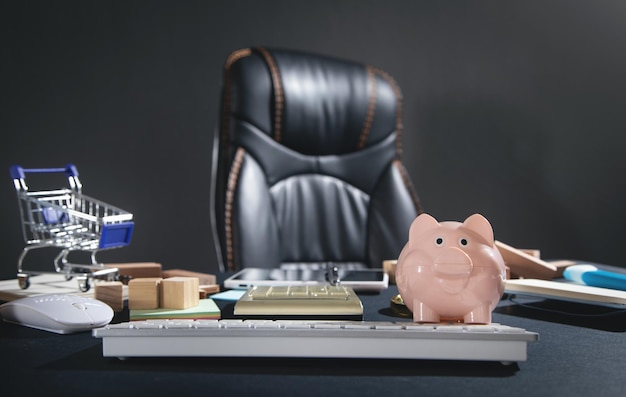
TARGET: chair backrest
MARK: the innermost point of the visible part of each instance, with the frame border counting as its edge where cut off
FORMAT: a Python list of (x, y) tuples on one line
[(307, 166)]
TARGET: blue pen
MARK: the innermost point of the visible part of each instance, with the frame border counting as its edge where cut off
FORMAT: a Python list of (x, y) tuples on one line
[(592, 276)]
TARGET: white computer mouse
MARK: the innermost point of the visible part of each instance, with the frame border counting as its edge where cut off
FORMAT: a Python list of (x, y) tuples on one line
[(60, 313)]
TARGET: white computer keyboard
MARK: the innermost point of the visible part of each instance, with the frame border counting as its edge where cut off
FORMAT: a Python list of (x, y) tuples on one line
[(330, 339)]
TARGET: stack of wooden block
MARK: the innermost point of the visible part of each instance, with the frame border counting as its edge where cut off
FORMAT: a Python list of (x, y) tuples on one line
[(166, 293), (150, 287)]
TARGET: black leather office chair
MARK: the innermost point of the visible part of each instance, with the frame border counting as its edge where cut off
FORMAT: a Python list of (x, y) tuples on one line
[(307, 164)]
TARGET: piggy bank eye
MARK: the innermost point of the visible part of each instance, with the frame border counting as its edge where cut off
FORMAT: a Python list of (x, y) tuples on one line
[(439, 241), (463, 242)]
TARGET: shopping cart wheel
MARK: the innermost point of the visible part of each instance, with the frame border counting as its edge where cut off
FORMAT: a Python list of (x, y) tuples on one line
[(23, 281), (83, 284)]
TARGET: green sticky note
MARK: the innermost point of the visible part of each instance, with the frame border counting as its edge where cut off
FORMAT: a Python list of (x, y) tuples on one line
[(206, 309)]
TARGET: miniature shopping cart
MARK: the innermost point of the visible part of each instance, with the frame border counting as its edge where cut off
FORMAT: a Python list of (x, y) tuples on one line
[(71, 221)]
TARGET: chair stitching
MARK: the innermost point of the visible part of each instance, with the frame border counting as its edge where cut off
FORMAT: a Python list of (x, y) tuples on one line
[(399, 151), (367, 126), (409, 185), (398, 93), (232, 58), (233, 179), (225, 140), (279, 97)]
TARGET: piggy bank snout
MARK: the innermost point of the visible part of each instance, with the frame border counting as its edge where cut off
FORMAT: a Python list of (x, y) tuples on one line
[(453, 268), (453, 262)]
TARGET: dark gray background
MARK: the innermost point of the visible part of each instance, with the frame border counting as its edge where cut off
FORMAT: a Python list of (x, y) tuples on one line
[(514, 109)]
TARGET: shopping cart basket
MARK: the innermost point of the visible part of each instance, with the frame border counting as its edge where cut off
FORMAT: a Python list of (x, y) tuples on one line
[(71, 221)]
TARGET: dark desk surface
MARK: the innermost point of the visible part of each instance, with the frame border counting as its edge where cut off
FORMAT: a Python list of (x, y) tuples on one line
[(583, 353)]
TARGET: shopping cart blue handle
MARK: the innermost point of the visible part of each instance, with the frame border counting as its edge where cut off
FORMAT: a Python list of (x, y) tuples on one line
[(17, 172)]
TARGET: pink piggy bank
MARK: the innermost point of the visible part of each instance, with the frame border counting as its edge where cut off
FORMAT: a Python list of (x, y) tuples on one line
[(451, 271)]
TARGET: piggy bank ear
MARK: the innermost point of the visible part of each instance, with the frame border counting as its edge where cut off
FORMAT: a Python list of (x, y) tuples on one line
[(422, 223), (479, 224)]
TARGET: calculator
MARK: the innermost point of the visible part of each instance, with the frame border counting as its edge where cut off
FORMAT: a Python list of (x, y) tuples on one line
[(310, 302)]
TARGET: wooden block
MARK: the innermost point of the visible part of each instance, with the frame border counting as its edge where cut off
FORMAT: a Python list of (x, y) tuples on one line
[(128, 271), (179, 292), (144, 293), (561, 265), (523, 264), (111, 293), (206, 290), (532, 252), (204, 278), (389, 266)]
